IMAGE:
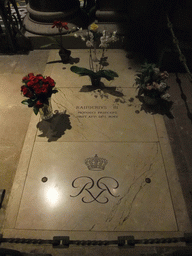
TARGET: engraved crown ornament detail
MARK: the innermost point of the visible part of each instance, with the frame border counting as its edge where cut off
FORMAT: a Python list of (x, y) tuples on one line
[(96, 163)]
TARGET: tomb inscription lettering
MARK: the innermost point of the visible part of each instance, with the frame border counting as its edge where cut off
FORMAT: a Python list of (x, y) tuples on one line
[(99, 112)]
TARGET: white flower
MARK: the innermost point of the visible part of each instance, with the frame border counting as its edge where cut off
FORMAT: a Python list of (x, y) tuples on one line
[(114, 38), (75, 35), (83, 38), (156, 71), (91, 34), (89, 44), (104, 33), (162, 86), (165, 96), (103, 45)]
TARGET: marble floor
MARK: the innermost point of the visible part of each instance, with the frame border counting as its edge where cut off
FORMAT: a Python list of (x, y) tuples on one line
[(101, 167)]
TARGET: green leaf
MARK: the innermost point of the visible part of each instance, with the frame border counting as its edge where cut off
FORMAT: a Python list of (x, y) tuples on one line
[(83, 71), (35, 110), (25, 102), (54, 91), (108, 74), (137, 80), (31, 102)]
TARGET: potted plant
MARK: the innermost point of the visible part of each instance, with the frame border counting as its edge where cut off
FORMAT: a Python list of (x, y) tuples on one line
[(62, 28), (152, 84), (38, 89), (96, 71)]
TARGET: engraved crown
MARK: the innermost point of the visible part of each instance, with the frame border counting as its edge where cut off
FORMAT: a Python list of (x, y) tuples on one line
[(96, 163)]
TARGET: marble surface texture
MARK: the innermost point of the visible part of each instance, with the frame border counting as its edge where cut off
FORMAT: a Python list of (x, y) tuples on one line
[(133, 188), (73, 199)]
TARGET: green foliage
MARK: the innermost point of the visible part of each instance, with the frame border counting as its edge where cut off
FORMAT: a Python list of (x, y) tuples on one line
[(83, 71), (29, 102), (108, 74), (54, 91), (147, 74), (35, 110), (25, 102)]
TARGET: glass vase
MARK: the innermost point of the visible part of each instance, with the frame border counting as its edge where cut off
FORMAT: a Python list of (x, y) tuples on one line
[(46, 112)]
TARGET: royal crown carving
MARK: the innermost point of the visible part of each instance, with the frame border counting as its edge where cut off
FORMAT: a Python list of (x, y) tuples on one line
[(96, 163)]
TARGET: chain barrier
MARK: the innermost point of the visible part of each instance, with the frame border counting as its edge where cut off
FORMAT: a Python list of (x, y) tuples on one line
[(176, 43), (122, 241)]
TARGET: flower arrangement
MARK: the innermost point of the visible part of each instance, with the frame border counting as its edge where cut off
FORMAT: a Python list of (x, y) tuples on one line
[(61, 26), (38, 89), (93, 39), (152, 82)]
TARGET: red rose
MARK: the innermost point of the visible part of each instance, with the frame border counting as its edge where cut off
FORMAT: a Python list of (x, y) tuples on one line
[(30, 74), (39, 104), (34, 79), (50, 81), (44, 90), (26, 92), (38, 90), (40, 77), (25, 78), (30, 83)]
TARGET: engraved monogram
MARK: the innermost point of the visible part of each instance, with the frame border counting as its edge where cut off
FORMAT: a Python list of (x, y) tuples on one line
[(89, 184), (95, 191)]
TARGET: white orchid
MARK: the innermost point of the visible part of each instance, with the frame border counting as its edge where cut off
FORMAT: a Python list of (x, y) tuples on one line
[(89, 43), (106, 39)]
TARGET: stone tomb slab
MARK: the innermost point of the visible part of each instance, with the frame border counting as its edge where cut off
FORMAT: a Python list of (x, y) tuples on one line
[(98, 116), (126, 191)]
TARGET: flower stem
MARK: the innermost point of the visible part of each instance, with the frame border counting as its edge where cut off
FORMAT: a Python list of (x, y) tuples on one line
[(100, 64), (91, 61)]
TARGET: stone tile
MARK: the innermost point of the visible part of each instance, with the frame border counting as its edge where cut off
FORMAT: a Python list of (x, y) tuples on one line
[(11, 96), (8, 160), (97, 116), (180, 207), (34, 62), (119, 195), (14, 124), (20, 176), (8, 63)]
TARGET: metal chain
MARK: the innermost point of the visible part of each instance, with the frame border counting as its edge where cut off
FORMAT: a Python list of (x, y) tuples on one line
[(176, 43), (122, 241)]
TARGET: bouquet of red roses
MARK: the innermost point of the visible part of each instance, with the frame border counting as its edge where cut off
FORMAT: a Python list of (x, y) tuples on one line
[(38, 89)]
